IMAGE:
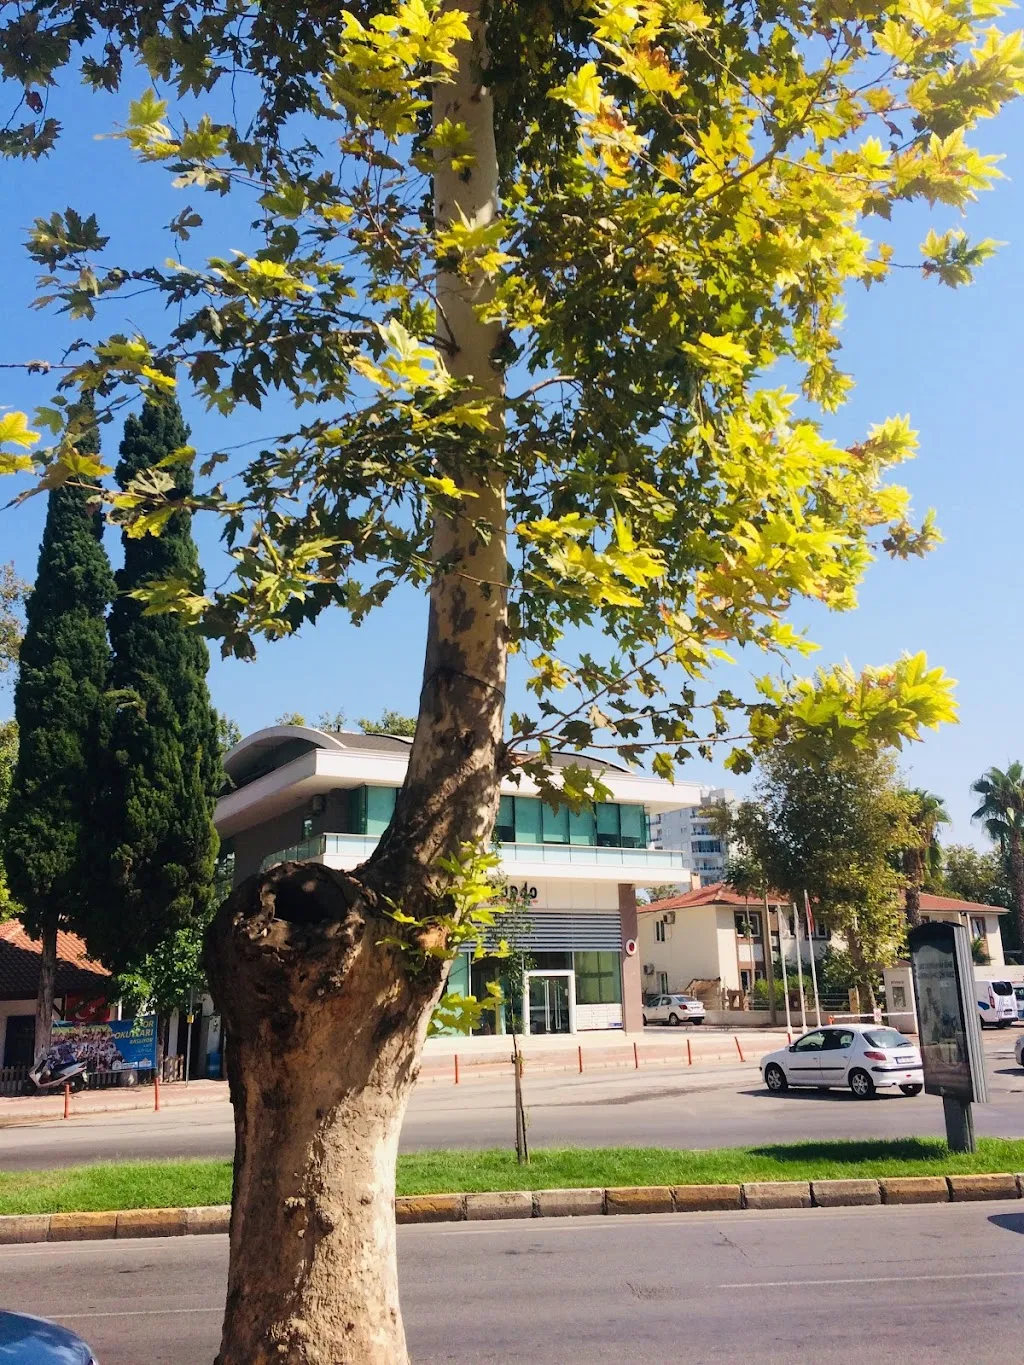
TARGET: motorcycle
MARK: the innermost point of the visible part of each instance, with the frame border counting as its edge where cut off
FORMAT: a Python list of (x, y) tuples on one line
[(50, 1077)]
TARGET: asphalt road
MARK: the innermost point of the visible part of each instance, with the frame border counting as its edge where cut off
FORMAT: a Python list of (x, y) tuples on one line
[(659, 1106), (931, 1285)]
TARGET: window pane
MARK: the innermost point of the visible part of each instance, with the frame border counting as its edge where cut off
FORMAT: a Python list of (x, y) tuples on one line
[(582, 826), (505, 830), (380, 806), (608, 824), (632, 826), (597, 979), (555, 824), (527, 820)]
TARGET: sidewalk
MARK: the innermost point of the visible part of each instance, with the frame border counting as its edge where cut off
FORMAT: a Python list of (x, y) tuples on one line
[(113, 1100)]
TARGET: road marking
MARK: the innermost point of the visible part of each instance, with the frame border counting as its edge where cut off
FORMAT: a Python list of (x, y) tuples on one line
[(134, 1313), (876, 1279)]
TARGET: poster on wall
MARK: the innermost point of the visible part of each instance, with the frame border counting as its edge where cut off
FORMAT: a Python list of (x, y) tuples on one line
[(117, 1045)]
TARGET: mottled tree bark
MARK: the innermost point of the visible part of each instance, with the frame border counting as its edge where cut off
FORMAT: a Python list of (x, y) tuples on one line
[(1017, 877), (913, 866), (325, 1021), (46, 988)]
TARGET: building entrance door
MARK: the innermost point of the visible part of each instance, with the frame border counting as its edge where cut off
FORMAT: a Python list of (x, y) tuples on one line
[(550, 1002)]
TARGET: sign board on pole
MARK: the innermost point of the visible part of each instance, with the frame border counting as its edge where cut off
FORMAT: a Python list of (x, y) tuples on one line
[(948, 1024), (118, 1045)]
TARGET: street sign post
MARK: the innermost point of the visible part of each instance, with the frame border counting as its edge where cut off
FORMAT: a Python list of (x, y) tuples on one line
[(948, 1026)]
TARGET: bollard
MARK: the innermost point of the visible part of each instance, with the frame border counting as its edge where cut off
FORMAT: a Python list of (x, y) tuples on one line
[(67, 1100), (738, 1048), (789, 1034), (456, 1068), (156, 1092), (579, 1050), (636, 1058), (689, 1053)]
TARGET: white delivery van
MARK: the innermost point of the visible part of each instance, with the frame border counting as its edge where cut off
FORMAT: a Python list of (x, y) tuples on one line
[(997, 1002)]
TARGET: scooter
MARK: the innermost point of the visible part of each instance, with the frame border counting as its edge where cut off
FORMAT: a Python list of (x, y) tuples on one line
[(47, 1079)]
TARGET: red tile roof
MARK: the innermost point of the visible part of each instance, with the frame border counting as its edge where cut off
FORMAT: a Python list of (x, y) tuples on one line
[(930, 902), (718, 893), (77, 973), (721, 893)]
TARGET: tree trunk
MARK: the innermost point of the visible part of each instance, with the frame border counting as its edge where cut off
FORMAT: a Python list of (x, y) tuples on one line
[(326, 1024), (1017, 877), (864, 984), (325, 1012), (45, 992), (913, 866)]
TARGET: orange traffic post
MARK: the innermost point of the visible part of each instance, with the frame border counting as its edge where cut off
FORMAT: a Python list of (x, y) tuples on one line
[(156, 1091), (689, 1053), (456, 1068), (67, 1101), (579, 1050), (789, 1034), (636, 1058), (738, 1048)]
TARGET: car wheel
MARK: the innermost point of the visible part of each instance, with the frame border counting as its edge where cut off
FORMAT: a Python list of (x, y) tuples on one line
[(27, 1088), (861, 1084), (645, 1021), (673, 1019), (775, 1078), (911, 1089), (698, 1020)]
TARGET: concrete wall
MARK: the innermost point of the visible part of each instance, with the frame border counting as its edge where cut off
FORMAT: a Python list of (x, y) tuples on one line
[(691, 948), (251, 846)]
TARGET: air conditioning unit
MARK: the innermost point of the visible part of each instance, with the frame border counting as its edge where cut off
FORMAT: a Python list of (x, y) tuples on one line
[(648, 969), (670, 917)]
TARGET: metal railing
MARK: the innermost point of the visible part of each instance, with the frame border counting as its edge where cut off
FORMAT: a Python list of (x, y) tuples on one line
[(360, 846)]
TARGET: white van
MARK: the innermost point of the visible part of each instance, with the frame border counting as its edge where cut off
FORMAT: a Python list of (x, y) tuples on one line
[(997, 1002)]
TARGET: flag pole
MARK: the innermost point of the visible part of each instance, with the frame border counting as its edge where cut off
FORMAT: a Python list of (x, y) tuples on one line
[(799, 967), (814, 970), (785, 978)]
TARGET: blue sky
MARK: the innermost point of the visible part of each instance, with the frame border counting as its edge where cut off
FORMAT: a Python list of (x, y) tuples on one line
[(953, 360)]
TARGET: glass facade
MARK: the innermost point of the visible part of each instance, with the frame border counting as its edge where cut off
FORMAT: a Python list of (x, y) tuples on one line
[(597, 981), (527, 820)]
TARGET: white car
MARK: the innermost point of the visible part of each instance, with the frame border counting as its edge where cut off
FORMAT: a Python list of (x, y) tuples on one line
[(674, 1009), (1019, 1050), (861, 1056)]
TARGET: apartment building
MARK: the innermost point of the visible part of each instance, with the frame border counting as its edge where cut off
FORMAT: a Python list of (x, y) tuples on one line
[(687, 830), (302, 793)]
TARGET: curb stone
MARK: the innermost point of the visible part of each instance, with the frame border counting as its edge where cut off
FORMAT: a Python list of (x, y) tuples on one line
[(964, 1187), (20, 1228), (507, 1204), (639, 1199), (82, 1227), (915, 1189), (777, 1194), (834, 1194)]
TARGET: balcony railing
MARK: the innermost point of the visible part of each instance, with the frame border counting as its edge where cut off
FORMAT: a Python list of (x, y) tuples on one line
[(360, 846)]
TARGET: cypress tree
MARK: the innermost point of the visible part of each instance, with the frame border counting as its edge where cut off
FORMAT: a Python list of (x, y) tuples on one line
[(64, 666), (161, 773)]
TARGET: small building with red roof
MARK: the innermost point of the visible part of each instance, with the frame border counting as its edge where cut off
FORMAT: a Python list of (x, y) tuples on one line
[(82, 987), (715, 934)]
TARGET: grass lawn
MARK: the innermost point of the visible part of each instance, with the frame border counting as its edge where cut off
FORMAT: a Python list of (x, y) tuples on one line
[(164, 1184)]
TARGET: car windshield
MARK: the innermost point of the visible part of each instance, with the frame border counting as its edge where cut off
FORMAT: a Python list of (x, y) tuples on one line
[(887, 1037), (1002, 987), (682, 999)]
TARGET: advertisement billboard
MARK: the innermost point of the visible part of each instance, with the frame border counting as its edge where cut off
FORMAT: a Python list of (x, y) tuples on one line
[(117, 1045), (947, 1018)]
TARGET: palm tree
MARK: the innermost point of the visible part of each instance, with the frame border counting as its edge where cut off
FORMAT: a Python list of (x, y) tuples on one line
[(925, 813), (1002, 814)]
